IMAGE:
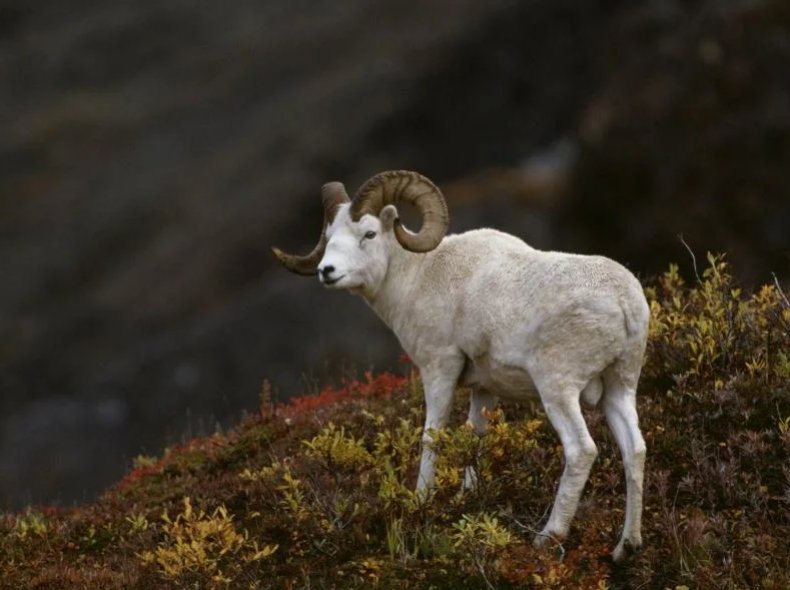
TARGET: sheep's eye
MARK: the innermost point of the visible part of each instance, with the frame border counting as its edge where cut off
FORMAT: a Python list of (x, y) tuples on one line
[(370, 235)]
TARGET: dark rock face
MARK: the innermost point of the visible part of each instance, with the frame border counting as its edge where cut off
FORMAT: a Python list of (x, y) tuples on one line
[(690, 133), (151, 154)]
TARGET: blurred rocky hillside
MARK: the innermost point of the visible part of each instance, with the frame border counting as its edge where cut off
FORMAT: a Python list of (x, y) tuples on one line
[(151, 152)]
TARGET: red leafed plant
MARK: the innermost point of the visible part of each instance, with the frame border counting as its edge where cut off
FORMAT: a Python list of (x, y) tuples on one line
[(381, 386)]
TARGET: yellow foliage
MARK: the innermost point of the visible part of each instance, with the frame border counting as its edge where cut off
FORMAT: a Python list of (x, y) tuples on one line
[(293, 496), (713, 331), (480, 530), (29, 525), (138, 522), (262, 474), (206, 546), (336, 449), (479, 539)]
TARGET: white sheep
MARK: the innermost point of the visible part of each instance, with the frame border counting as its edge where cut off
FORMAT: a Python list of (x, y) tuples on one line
[(486, 310)]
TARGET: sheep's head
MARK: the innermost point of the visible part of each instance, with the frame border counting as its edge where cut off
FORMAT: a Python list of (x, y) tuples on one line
[(354, 248)]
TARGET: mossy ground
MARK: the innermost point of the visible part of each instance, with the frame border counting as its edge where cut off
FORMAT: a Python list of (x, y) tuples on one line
[(317, 493)]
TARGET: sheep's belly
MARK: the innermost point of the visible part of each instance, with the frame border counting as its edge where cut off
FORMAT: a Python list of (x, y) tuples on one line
[(505, 381)]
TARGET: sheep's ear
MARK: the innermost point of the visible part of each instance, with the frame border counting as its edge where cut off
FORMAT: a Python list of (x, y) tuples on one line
[(388, 217)]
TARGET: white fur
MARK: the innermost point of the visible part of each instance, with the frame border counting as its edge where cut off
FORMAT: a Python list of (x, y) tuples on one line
[(485, 309)]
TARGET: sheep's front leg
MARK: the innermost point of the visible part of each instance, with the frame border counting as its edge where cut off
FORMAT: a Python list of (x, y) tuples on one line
[(439, 380), (480, 402)]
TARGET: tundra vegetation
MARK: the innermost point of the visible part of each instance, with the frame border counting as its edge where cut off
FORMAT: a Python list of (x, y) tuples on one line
[(318, 491)]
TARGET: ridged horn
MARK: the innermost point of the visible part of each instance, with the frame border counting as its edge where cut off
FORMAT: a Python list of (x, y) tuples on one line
[(396, 186), (333, 194)]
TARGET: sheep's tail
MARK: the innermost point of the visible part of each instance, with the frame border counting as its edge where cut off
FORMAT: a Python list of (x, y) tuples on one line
[(636, 317), (629, 319), (636, 313)]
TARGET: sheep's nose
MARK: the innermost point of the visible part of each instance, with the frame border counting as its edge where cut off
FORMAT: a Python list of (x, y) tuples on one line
[(327, 270)]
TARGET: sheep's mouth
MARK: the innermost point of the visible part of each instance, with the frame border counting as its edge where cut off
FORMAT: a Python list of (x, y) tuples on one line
[(329, 282)]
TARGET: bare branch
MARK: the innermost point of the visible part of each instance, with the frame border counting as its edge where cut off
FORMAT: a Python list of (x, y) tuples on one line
[(529, 529), (693, 258), (779, 288), (482, 570)]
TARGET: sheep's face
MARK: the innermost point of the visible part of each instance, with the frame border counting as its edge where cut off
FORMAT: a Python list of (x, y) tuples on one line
[(357, 252)]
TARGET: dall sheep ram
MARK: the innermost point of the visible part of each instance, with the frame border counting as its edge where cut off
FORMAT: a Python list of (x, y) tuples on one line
[(484, 309)]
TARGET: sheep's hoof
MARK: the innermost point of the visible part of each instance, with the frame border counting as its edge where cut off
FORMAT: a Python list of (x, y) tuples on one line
[(625, 548), (545, 538)]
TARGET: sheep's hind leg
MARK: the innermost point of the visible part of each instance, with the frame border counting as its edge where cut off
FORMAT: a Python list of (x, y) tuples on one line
[(479, 402), (619, 406), (564, 412)]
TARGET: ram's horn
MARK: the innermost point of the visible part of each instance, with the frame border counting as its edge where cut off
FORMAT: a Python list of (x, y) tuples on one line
[(396, 186), (333, 194)]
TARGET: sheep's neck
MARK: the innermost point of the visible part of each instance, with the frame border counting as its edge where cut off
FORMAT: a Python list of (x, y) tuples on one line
[(393, 300)]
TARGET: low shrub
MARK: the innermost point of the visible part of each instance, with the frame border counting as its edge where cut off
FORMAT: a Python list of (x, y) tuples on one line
[(319, 492)]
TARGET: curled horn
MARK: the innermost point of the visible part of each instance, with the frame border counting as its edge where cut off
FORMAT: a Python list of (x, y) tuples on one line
[(397, 186), (333, 194)]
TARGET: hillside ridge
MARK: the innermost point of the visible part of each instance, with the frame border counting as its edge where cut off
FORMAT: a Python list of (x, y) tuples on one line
[(317, 492)]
